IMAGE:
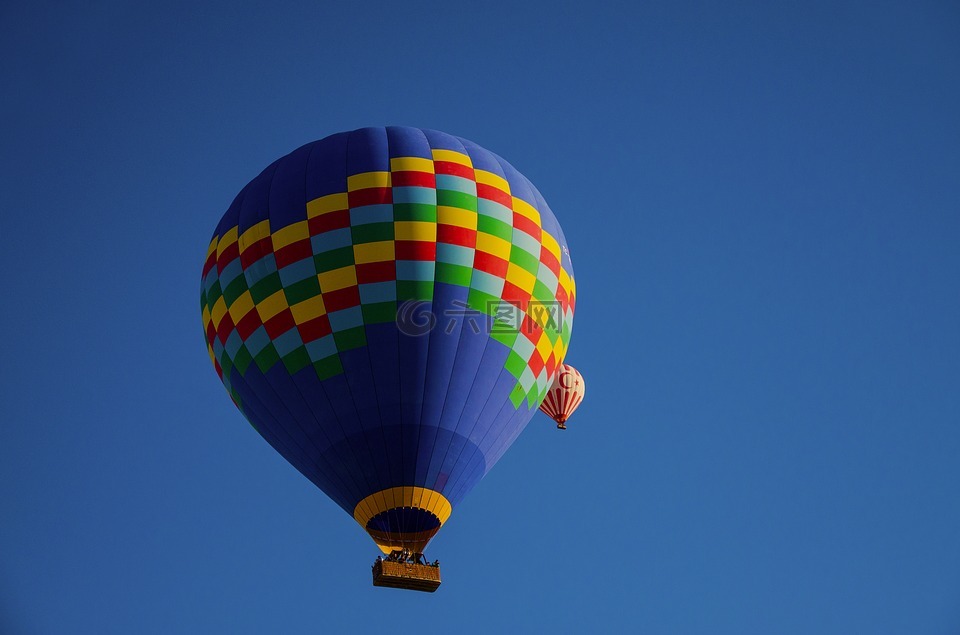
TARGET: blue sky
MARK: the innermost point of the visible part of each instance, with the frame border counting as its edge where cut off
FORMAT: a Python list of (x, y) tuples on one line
[(761, 202)]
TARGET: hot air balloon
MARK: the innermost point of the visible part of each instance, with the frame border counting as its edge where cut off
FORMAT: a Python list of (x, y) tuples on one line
[(387, 307), (564, 396)]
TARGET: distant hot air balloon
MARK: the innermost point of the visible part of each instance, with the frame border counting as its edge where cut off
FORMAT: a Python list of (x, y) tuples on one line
[(388, 307), (564, 396)]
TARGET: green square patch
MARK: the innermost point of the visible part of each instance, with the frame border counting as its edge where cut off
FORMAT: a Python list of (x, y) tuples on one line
[(371, 233), (414, 290), (234, 290), (542, 293), (266, 358), (243, 360), (533, 397), (226, 365), (296, 360), (350, 338), (515, 364), (454, 274), (506, 335), (214, 293), (266, 287), (517, 395), (494, 227), (415, 212), (303, 290), (328, 367), (453, 198), (522, 258), (334, 259), (482, 302), (379, 312)]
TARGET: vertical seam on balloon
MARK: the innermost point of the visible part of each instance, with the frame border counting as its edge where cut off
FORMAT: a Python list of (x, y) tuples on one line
[(270, 384), (502, 370), (434, 309), (373, 376), (307, 459), (386, 132), (483, 408), (456, 354), (499, 447), (515, 426), (486, 342), (373, 463), (426, 351), (502, 443), (537, 202), (464, 479), (333, 410), (559, 236), (295, 385), (399, 413)]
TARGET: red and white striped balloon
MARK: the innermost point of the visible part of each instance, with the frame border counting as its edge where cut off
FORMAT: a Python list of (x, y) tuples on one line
[(564, 396)]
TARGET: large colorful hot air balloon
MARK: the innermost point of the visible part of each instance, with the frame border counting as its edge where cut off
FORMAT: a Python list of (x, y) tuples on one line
[(387, 307)]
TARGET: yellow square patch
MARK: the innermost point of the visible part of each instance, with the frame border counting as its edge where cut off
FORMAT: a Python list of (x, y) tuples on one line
[(254, 234), (219, 310), (381, 251), (456, 216), (493, 180), (241, 306), (550, 244), (367, 180), (308, 309), (415, 230), (326, 204), (452, 156), (272, 305), (338, 278), (226, 241), (411, 164), (520, 277), (493, 245), (290, 234), (524, 208)]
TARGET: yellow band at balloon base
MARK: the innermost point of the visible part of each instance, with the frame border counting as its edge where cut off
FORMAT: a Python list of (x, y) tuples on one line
[(432, 503)]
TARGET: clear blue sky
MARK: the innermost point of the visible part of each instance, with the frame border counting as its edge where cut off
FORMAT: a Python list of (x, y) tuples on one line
[(762, 202)]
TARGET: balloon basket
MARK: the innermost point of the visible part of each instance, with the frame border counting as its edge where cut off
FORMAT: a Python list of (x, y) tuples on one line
[(406, 575)]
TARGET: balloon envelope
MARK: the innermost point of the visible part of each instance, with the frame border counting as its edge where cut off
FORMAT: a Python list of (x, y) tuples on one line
[(565, 394), (387, 307)]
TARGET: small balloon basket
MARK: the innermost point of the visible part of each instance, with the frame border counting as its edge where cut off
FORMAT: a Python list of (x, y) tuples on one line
[(406, 575)]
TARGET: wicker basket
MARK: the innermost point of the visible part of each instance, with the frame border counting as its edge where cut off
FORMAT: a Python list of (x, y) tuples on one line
[(406, 575)]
